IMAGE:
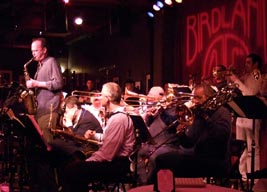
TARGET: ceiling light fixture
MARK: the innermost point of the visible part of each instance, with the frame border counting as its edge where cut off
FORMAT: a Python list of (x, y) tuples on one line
[(156, 8), (150, 14), (159, 4), (66, 1), (168, 2), (78, 21)]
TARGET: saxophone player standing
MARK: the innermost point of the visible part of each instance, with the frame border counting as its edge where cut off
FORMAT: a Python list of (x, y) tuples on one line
[(48, 84)]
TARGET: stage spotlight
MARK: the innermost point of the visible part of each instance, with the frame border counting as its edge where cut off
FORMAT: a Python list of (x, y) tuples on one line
[(156, 8), (179, 1), (150, 14), (78, 20), (160, 4), (168, 2)]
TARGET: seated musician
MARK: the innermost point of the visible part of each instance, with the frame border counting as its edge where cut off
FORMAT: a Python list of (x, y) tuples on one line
[(162, 127), (87, 91), (96, 108), (155, 95), (76, 122), (204, 147), (112, 157)]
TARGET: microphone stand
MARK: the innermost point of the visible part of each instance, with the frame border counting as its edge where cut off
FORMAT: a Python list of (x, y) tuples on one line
[(253, 145)]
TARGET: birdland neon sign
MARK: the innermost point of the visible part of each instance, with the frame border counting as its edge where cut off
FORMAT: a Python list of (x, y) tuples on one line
[(225, 34)]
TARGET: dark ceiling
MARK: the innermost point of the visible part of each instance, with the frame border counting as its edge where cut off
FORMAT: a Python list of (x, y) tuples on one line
[(21, 20)]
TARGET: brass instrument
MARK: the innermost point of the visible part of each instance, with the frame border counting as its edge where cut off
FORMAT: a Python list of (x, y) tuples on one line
[(129, 93), (26, 73), (225, 95), (85, 96), (142, 97), (154, 105), (89, 145), (69, 134), (137, 100), (27, 95), (178, 93), (78, 93)]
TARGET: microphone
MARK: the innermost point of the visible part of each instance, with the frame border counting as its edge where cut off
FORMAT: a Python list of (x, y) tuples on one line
[(107, 68)]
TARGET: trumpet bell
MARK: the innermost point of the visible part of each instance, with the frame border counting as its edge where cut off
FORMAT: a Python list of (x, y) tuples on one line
[(184, 114), (132, 98)]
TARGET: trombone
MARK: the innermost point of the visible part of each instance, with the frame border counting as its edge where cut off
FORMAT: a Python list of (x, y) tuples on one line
[(140, 100), (132, 96), (85, 96)]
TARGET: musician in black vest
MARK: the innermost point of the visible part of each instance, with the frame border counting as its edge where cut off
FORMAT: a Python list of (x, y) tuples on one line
[(205, 145)]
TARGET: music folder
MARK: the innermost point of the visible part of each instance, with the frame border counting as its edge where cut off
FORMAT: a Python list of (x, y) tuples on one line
[(141, 129), (251, 107)]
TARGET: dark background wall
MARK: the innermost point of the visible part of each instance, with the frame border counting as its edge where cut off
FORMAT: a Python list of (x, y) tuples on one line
[(182, 40), (124, 56)]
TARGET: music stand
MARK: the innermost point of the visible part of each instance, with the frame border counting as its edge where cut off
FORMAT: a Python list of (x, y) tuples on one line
[(251, 107), (141, 130)]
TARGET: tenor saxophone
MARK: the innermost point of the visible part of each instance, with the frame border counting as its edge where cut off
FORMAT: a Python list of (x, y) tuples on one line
[(27, 95)]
